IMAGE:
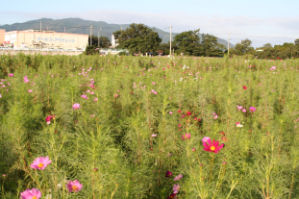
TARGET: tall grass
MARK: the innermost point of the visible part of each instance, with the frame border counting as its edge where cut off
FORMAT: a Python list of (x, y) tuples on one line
[(122, 145)]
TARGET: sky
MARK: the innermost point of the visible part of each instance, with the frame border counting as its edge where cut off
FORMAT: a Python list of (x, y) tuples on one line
[(261, 21)]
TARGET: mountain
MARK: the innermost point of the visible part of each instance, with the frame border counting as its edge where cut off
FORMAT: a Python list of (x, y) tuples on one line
[(77, 25)]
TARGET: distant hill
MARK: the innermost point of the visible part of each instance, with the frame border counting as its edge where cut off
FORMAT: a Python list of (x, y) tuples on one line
[(77, 25)]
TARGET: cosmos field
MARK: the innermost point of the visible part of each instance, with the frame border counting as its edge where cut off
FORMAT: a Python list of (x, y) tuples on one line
[(148, 128)]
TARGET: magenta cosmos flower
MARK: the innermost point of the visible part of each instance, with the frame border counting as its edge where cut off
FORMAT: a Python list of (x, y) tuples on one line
[(212, 146), (74, 186), (31, 194), (40, 163), (76, 106), (49, 118), (10, 75), (168, 174), (186, 136), (252, 109)]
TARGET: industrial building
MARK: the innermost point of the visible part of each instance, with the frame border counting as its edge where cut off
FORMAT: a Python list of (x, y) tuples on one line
[(2, 33), (32, 39)]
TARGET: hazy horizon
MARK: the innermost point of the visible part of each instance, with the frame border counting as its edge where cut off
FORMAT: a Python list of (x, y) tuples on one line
[(262, 22)]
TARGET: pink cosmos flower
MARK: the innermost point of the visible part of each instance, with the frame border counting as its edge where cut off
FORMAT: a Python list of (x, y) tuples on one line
[(76, 106), (30, 91), (206, 139), (26, 80), (153, 83), (0, 95), (178, 177), (154, 92), (116, 95), (245, 87), (215, 116), (176, 188), (239, 107), (244, 110), (193, 149), (212, 146), (84, 96), (92, 86), (40, 163), (31, 194), (95, 99), (74, 186), (10, 75), (154, 135), (252, 109), (186, 136), (170, 112), (273, 68)]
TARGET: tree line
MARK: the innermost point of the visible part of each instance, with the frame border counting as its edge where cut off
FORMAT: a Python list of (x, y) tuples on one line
[(142, 40)]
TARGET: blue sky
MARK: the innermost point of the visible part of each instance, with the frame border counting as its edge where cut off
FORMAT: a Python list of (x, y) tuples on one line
[(262, 21)]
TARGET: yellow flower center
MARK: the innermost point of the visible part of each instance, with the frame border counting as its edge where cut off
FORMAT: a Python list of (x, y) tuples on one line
[(74, 187), (40, 165), (212, 148), (34, 197)]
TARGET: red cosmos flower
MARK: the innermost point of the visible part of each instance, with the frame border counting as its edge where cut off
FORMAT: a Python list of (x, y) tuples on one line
[(172, 196), (245, 87), (168, 174), (212, 146), (188, 113), (179, 111)]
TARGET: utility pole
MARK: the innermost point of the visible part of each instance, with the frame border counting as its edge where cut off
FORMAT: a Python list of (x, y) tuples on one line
[(99, 35), (170, 38), (98, 38), (228, 45), (90, 35), (40, 26)]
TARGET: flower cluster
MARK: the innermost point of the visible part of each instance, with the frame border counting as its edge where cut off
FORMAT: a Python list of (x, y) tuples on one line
[(41, 163)]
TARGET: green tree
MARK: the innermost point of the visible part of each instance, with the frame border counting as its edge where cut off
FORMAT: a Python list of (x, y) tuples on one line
[(284, 51), (187, 43), (265, 52), (101, 42), (211, 47), (243, 48), (163, 49), (296, 47), (138, 38)]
